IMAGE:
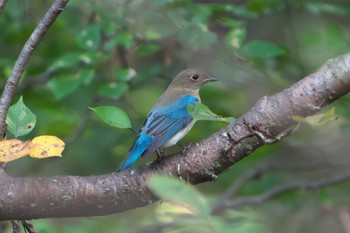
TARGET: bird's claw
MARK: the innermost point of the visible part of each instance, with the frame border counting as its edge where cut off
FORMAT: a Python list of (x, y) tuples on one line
[(184, 148), (160, 154)]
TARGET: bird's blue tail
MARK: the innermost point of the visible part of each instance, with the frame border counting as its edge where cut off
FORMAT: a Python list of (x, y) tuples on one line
[(130, 160), (141, 145)]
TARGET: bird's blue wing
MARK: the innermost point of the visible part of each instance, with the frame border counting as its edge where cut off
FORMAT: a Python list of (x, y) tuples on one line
[(160, 126), (166, 122)]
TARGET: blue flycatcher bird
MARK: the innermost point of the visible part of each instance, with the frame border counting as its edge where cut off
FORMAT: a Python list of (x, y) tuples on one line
[(168, 120)]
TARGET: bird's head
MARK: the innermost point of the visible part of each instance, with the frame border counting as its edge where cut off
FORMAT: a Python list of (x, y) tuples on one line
[(191, 79)]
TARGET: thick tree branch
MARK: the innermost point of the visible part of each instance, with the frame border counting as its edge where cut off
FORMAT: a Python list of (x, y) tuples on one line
[(267, 121), (24, 58)]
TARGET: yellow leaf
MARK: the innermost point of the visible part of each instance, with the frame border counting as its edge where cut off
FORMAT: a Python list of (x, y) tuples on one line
[(46, 146), (168, 212), (317, 120), (14, 149)]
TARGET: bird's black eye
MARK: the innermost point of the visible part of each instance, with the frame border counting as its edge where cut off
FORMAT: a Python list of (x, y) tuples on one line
[(195, 77)]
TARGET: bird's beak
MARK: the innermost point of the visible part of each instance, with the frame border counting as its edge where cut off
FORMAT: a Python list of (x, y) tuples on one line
[(210, 79)]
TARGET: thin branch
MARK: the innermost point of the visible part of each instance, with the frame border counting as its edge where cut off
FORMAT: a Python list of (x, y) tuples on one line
[(344, 217), (24, 57), (261, 170), (2, 5), (287, 187), (15, 226), (38, 80), (28, 226), (81, 127), (67, 196)]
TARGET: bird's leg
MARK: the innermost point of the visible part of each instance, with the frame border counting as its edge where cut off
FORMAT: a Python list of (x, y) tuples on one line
[(184, 148), (160, 153)]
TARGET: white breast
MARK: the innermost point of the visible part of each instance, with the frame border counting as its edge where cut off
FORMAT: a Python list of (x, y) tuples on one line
[(177, 137)]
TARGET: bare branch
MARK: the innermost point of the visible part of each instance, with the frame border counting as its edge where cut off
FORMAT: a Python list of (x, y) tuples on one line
[(24, 57), (291, 186), (15, 226), (28, 226), (38, 80), (261, 170)]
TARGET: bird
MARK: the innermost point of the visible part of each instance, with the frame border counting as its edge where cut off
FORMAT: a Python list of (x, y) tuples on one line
[(168, 121)]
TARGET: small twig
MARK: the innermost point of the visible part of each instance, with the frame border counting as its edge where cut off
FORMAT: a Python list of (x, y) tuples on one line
[(24, 57), (261, 170), (15, 226), (28, 226), (291, 186), (80, 128), (38, 80), (122, 57)]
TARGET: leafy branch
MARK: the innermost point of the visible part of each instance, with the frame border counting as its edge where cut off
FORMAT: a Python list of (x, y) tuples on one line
[(24, 57)]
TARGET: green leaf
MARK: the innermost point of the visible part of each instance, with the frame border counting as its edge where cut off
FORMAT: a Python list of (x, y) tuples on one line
[(63, 86), (124, 74), (20, 120), (89, 38), (124, 38), (197, 36), (235, 37), (110, 45), (147, 49), (149, 72), (108, 27), (113, 116), (93, 57), (201, 112), (113, 90), (173, 190), (159, 29), (66, 61), (320, 7), (261, 49), (86, 76)]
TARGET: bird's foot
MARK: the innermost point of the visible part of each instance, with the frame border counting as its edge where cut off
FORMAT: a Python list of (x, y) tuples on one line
[(160, 154), (184, 148)]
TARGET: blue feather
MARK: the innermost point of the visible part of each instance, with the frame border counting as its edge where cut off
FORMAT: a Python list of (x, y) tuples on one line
[(141, 144), (161, 125)]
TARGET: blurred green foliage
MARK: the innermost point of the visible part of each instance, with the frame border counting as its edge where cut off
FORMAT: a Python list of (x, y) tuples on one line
[(124, 54)]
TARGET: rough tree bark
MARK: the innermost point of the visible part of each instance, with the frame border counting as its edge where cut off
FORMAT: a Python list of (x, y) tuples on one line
[(267, 122)]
